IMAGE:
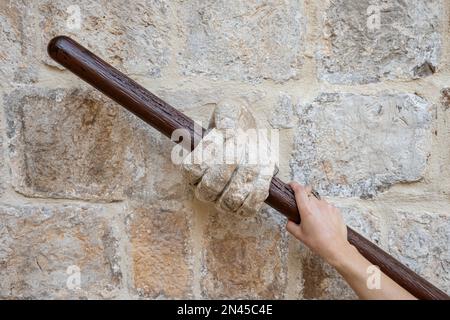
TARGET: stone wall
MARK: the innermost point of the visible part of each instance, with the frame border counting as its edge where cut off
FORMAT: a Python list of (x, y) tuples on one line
[(360, 91)]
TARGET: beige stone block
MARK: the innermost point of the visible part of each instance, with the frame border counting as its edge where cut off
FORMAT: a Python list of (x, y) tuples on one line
[(369, 41), (133, 36), (42, 248), (70, 144), (243, 40), (17, 42), (244, 257), (359, 145), (421, 240), (161, 251)]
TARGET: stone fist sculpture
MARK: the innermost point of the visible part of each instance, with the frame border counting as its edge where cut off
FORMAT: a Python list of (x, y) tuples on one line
[(233, 165)]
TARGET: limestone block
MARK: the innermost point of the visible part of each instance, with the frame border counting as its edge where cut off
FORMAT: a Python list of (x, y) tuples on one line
[(243, 40), (160, 251), (3, 173), (356, 145), (321, 281), (155, 176), (244, 258), (133, 36), (421, 240), (70, 144), (43, 247), (16, 43), (368, 41)]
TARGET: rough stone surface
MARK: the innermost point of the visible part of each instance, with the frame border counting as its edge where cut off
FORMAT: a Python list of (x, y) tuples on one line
[(283, 116), (363, 221), (422, 242), (226, 172), (15, 45), (407, 44), (445, 98), (131, 35), (69, 144), (244, 258), (85, 182), (243, 40), (161, 254), (2, 164), (321, 281), (357, 145), (199, 103), (156, 178), (39, 243)]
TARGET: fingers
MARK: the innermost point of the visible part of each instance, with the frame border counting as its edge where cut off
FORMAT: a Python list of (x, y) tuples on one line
[(259, 193), (213, 182), (198, 161), (301, 197), (235, 183), (239, 187)]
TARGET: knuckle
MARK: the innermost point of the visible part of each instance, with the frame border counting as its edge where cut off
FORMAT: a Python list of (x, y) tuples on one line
[(299, 189)]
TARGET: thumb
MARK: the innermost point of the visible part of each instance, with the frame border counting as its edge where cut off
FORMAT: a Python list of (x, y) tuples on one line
[(294, 229)]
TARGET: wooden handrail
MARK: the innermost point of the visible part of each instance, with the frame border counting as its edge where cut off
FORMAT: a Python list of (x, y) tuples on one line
[(166, 119)]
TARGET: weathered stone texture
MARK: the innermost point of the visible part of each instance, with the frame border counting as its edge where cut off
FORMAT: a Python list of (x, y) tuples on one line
[(321, 281), (445, 98), (160, 251), (39, 243), (421, 240), (243, 40), (357, 145), (199, 102), (74, 143), (70, 144), (407, 44), (2, 163), (155, 176), (364, 221), (133, 35), (283, 116), (15, 43), (244, 258)]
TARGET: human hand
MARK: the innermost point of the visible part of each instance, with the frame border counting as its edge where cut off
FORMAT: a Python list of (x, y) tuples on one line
[(323, 230), (322, 227)]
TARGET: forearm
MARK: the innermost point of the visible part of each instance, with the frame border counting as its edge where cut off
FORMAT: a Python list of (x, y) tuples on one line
[(354, 268)]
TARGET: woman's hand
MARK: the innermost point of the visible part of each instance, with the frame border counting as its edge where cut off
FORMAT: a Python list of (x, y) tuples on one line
[(322, 227), (323, 230)]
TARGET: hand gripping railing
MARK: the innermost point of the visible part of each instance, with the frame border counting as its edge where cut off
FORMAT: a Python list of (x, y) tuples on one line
[(166, 119)]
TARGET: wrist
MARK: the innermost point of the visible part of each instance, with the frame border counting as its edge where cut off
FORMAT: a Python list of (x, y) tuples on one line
[(343, 256)]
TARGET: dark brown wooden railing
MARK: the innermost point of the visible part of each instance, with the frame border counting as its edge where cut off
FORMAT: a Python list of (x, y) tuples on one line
[(166, 119)]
